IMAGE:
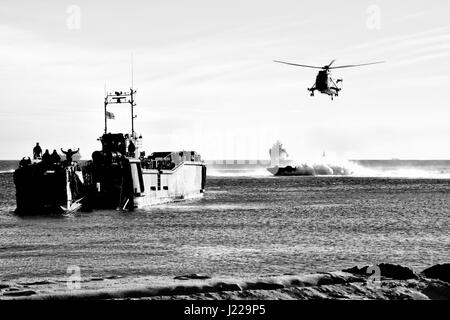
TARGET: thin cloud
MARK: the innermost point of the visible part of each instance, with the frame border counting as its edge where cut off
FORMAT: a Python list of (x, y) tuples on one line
[(414, 16)]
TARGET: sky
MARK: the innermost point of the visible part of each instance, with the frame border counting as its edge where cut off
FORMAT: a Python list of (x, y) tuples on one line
[(206, 80)]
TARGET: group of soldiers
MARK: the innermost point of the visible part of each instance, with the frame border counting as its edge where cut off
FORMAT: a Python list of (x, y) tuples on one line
[(47, 157)]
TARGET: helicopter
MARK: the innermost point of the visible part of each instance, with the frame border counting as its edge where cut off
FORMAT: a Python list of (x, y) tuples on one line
[(324, 83)]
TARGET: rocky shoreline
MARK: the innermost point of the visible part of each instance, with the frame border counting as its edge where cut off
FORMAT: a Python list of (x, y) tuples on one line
[(383, 281)]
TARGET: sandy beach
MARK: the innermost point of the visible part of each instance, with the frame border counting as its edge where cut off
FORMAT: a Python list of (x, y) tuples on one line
[(384, 281)]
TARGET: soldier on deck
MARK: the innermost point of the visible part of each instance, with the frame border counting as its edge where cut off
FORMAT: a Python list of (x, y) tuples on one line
[(25, 162), (55, 158), (37, 151), (69, 153), (131, 149), (46, 158)]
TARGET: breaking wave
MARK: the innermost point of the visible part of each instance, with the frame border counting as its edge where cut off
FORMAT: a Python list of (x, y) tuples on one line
[(337, 167), (323, 167)]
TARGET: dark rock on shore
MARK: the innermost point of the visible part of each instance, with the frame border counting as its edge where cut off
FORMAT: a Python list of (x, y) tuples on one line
[(96, 279), (387, 270), (35, 283), (260, 285), (192, 276), (223, 286), (439, 271), (437, 291), (19, 293)]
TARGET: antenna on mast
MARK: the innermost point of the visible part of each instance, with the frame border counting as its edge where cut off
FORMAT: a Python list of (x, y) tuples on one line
[(121, 97), (105, 104), (132, 75), (132, 93)]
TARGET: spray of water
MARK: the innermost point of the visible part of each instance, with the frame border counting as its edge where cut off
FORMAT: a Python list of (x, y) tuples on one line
[(329, 166), (309, 167), (324, 166)]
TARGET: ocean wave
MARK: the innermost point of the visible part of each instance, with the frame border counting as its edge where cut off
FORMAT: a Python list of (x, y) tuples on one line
[(7, 171)]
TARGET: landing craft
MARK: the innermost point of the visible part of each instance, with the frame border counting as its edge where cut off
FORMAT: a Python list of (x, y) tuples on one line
[(118, 176), (324, 83), (281, 165)]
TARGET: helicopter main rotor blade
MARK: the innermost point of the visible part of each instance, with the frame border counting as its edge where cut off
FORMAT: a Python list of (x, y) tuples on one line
[(332, 61), (298, 65), (356, 65)]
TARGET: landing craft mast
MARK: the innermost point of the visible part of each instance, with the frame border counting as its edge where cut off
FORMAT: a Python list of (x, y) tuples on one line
[(120, 97)]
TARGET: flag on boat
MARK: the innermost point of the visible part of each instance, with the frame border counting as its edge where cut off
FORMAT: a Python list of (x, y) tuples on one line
[(109, 115)]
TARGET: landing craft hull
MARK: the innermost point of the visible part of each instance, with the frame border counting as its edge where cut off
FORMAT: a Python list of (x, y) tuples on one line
[(48, 189), (289, 171), (120, 182), (186, 181), (306, 170)]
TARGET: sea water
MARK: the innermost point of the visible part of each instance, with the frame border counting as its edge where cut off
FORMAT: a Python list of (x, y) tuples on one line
[(244, 226)]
